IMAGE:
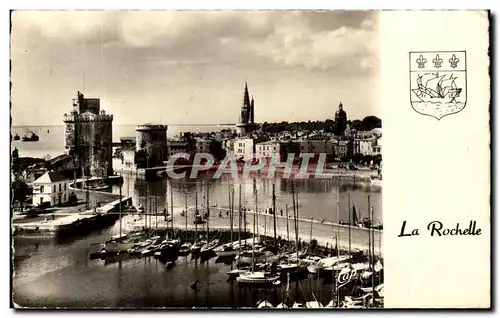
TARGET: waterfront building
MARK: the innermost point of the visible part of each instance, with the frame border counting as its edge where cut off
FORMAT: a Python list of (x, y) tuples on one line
[(316, 146), (272, 148), (247, 115), (151, 146), (340, 121), (51, 189), (377, 146), (128, 159), (244, 148), (88, 137), (175, 146)]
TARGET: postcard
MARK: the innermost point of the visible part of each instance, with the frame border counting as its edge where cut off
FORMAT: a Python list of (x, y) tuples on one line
[(236, 160)]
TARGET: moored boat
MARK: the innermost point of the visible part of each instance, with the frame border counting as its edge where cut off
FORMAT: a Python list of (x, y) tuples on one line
[(257, 278)]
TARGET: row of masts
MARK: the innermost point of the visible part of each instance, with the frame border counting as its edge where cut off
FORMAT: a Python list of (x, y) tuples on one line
[(335, 285)]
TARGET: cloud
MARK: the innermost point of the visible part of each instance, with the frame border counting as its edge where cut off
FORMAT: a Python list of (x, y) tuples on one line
[(344, 41)]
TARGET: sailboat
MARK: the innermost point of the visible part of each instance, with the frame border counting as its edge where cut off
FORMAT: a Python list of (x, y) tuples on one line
[(230, 249), (265, 304), (121, 242), (186, 246), (210, 245), (260, 277), (195, 248), (433, 88)]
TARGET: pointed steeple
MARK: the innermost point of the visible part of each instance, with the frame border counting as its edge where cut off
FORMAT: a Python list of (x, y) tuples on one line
[(246, 98), (252, 111)]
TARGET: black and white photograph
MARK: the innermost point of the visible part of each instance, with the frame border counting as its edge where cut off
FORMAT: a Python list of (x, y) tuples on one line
[(196, 159)]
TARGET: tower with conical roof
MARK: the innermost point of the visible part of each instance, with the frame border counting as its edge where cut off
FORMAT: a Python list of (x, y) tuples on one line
[(247, 117), (340, 121)]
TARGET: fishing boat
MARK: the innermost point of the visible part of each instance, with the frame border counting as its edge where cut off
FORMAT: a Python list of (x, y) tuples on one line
[(196, 247), (227, 250), (435, 88), (237, 272), (376, 181), (121, 243), (16, 137), (185, 248), (313, 304), (209, 247), (257, 278), (265, 304), (32, 137)]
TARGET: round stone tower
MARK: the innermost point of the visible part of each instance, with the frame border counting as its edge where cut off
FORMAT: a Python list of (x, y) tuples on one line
[(340, 121)]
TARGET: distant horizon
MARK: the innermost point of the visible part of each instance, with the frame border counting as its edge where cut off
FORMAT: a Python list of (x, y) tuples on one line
[(193, 125)]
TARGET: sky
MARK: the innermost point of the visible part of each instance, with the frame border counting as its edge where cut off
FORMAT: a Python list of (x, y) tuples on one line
[(190, 67)]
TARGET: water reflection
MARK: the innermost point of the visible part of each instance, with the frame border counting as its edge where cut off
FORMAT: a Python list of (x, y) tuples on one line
[(316, 197)]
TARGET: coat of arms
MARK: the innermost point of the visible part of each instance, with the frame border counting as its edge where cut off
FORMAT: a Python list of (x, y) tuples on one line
[(438, 82)]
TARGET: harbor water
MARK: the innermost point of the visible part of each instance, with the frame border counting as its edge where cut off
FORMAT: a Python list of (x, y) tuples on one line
[(52, 272)]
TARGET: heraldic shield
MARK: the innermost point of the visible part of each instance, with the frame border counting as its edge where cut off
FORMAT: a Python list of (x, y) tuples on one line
[(438, 82)]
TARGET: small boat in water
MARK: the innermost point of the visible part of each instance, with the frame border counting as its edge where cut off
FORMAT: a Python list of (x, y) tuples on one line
[(227, 250), (185, 248), (256, 278), (237, 272), (32, 137), (298, 305), (209, 247), (16, 137), (265, 304), (314, 304)]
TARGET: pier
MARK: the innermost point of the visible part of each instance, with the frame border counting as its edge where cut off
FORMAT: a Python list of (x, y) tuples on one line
[(323, 232), (67, 220)]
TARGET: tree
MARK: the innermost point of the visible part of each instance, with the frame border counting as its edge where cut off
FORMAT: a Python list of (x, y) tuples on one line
[(15, 154), (357, 157), (370, 122), (21, 191)]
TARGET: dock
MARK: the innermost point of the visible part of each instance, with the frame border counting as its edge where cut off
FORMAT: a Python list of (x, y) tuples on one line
[(57, 223), (323, 232)]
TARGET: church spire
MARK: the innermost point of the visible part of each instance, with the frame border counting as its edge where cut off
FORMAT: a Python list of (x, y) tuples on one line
[(252, 111), (246, 98)]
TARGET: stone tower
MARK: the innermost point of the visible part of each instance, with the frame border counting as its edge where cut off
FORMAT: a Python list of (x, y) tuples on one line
[(247, 115), (340, 121), (89, 137)]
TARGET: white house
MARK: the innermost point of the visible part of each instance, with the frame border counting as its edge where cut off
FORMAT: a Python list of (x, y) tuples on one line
[(51, 187), (243, 148)]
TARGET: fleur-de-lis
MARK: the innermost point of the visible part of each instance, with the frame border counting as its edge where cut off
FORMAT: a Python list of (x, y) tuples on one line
[(421, 61), (454, 61), (437, 61)]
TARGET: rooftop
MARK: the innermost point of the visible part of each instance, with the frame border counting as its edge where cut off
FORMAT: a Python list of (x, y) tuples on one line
[(50, 177)]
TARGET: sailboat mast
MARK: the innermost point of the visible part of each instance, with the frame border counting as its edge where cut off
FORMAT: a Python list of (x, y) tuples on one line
[(186, 211), (337, 244), (208, 213), (196, 214), (311, 232), (253, 233), (239, 220), (156, 215), (274, 213), (297, 217), (370, 256), (172, 209), (120, 209), (230, 209), (338, 214), (287, 231), (373, 252), (295, 221), (349, 223)]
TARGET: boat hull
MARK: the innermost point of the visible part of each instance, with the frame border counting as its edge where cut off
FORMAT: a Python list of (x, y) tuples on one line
[(117, 247)]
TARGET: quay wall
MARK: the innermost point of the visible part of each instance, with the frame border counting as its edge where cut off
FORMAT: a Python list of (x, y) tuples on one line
[(74, 223)]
